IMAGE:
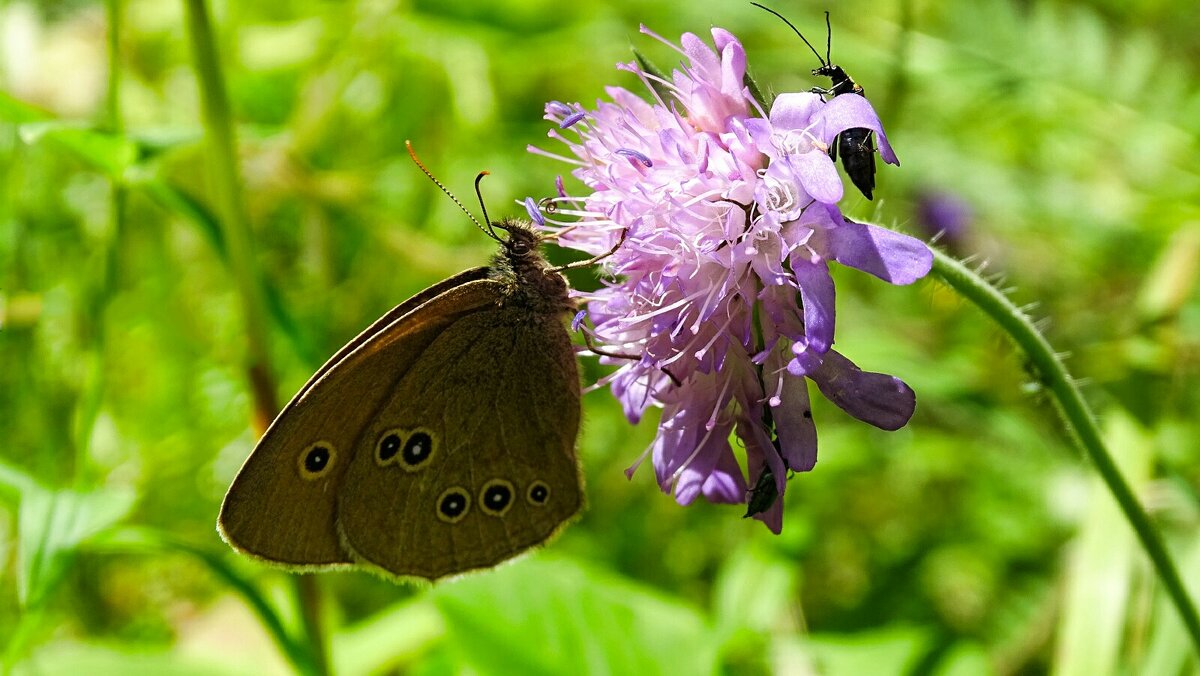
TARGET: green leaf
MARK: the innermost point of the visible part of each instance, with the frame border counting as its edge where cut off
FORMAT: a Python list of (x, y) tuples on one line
[(16, 111), (52, 524), (544, 615), (106, 153)]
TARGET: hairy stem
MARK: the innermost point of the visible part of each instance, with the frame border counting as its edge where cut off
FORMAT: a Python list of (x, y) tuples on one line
[(1079, 420)]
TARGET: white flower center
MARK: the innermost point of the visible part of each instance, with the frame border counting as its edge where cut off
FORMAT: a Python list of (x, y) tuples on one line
[(793, 141), (780, 196)]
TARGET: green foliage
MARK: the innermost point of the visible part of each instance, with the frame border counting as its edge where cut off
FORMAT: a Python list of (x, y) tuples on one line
[(970, 542)]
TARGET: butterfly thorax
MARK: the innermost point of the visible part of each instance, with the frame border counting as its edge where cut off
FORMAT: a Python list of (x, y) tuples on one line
[(528, 278)]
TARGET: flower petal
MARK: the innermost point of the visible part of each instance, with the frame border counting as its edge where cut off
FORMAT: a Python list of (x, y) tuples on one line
[(794, 110), (876, 398), (818, 175), (817, 295), (791, 412), (694, 476), (851, 112), (772, 517), (725, 485), (890, 256)]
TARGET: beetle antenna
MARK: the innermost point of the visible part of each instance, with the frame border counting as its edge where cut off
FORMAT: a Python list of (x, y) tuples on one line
[(797, 30), (828, 38)]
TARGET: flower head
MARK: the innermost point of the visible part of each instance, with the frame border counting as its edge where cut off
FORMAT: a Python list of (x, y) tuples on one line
[(719, 303)]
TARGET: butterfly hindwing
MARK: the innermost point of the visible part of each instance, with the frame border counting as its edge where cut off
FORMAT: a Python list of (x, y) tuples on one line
[(470, 459)]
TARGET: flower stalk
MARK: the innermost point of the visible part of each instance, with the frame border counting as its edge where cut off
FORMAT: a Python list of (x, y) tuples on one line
[(1079, 420)]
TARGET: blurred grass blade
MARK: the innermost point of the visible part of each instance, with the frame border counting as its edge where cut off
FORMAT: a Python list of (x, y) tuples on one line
[(1172, 280), (1168, 650), (1098, 578), (754, 592), (141, 540)]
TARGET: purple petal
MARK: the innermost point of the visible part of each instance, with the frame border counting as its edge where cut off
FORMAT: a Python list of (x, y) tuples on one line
[(701, 55), (794, 424), (890, 256), (876, 398), (794, 110), (772, 518), (791, 410), (578, 320), (733, 61), (850, 112), (760, 450), (695, 475), (817, 294), (725, 485), (722, 37), (818, 175)]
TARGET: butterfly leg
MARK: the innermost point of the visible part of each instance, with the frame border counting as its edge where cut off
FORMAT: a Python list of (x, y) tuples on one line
[(594, 259)]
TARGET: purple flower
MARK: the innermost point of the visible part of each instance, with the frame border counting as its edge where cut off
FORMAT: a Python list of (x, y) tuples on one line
[(719, 303), (945, 215)]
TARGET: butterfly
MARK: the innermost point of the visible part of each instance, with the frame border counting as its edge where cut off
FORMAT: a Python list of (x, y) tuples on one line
[(441, 439)]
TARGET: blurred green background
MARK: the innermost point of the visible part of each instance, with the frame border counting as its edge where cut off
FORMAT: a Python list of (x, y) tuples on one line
[(1057, 141)]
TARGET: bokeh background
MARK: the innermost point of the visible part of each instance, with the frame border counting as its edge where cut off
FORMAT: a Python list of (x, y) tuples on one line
[(1056, 141)]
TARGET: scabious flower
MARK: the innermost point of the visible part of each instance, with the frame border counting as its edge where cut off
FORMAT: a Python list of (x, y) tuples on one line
[(718, 304)]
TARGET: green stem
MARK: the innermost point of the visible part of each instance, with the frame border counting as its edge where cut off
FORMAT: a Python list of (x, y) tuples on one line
[(226, 186), (1079, 419), (301, 656), (224, 181)]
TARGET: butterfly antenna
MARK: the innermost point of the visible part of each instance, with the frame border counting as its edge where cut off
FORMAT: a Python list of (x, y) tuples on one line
[(796, 30), (828, 38), (413, 154), (479, 194)]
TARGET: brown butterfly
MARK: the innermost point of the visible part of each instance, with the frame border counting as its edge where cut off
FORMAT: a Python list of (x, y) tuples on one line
[(440, 440)]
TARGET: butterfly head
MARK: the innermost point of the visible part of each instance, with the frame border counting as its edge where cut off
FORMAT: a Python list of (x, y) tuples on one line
[(522, 242), (520, 264)]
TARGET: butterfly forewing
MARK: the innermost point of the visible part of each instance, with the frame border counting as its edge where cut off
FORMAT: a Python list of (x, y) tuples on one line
[(470, 460), (281, 506)]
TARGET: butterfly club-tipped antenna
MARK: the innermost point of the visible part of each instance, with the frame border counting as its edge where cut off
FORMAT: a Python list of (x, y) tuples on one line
[(489, 231)]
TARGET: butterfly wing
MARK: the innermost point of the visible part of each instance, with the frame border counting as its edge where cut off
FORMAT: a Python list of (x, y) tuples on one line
[(281, 507), (471, 458)]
